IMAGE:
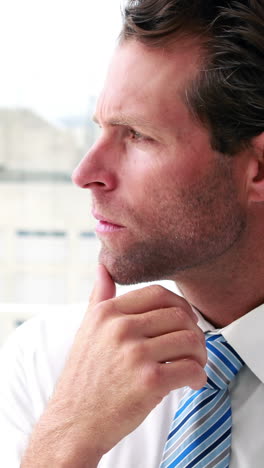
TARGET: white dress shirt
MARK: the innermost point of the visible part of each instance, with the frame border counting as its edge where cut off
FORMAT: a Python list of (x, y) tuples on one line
[(33, 358)]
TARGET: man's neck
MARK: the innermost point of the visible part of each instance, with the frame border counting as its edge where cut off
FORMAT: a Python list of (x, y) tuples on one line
[(228, 288)]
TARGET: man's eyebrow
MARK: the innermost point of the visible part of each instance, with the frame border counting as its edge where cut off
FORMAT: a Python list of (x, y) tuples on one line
[(129, 121)]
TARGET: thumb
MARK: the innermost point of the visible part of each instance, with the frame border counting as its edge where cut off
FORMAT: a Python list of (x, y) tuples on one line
[(104, 287)]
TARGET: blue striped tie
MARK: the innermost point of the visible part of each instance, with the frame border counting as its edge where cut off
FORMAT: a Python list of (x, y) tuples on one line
[(200, 434)]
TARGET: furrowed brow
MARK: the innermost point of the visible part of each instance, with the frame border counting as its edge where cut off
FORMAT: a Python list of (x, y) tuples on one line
[(127, 121)]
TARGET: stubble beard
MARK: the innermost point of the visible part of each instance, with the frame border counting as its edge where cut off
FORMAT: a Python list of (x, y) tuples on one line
[(200, 225)]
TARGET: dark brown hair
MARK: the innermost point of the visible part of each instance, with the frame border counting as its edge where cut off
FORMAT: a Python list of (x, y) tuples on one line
[(227, 94)]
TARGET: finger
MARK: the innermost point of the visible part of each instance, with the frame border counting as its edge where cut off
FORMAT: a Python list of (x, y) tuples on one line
[(184, 344), (162, 321), (104, 287), (186, 372), (150, 298)]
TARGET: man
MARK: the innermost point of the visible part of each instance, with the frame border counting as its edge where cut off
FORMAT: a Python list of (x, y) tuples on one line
[(177, 182)]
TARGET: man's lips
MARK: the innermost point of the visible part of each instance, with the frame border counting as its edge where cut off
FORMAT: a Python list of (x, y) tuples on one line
[(99, 217), (105, 224)]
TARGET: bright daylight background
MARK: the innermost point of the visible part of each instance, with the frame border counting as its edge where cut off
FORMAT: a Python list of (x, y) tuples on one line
[(53, 55)]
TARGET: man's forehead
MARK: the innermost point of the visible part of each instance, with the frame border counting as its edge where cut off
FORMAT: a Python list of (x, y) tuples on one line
[(139, 66), (144, 84)]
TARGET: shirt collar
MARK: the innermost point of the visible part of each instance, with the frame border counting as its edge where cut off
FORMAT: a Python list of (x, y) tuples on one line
[(246, 336)]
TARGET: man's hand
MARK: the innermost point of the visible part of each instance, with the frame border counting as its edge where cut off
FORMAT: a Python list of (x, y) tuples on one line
[(129, 352)]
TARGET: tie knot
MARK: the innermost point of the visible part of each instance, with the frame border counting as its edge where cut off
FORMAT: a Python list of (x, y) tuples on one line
[(223, 362)]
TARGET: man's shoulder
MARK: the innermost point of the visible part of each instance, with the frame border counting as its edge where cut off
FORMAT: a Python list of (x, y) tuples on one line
[(33, 357), (31, 361), (45, 339), (54, 322)]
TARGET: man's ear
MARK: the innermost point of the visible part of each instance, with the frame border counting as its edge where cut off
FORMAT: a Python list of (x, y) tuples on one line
[(256, 170)]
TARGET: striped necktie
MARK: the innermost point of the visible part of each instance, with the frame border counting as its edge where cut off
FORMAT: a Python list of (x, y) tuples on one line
[(200, 435)]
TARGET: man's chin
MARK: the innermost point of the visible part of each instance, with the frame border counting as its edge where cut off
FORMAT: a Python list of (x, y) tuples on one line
[(132, 268), (122, 274), (123, 270)]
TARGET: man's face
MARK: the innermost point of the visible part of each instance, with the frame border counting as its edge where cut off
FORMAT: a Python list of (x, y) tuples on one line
[(166, 202)]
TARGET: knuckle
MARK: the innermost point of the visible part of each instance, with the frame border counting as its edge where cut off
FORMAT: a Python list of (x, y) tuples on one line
[(144, 321), (137, 351), (157, 290), (183, 303), (193, 368), (103, 310), (202, 337), (192, 339), (179, 314), (152, 376), (121, 328), (199, 380), (197, 351)]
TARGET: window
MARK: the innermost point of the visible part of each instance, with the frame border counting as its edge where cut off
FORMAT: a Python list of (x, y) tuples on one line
[(53, 58)]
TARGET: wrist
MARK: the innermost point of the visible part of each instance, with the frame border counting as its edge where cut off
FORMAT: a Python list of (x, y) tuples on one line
[(60, 445)]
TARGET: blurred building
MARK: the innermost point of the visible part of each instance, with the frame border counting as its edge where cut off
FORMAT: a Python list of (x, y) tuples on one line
[(30, 144), (48, 250)]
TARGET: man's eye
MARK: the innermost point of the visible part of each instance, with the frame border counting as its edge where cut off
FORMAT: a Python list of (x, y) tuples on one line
[(137, 136), (134, 134)]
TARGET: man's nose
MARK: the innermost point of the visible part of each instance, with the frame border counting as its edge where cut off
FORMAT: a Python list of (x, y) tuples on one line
[(95, 171)]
